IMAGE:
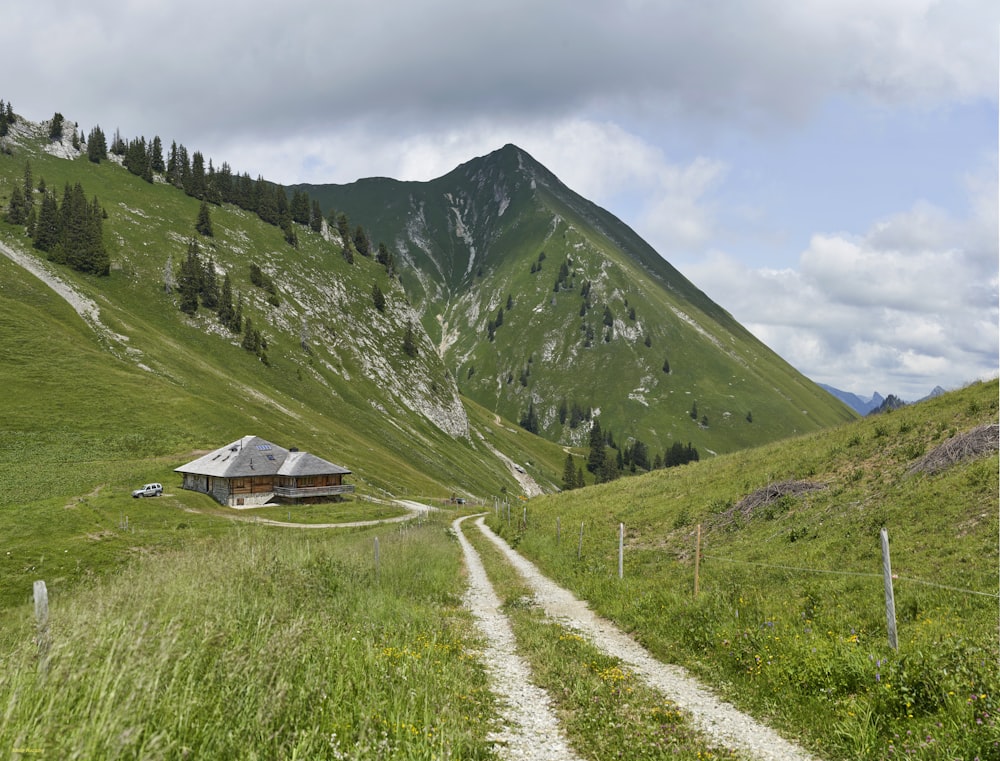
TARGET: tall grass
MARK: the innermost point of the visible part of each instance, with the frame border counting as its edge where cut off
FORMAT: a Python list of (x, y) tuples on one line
[(269, 644)]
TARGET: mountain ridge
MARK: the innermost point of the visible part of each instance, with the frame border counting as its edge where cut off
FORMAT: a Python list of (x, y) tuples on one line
[(464, 237)]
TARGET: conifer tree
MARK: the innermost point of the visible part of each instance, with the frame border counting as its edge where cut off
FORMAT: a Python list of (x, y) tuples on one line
[(196, 185), (316, 218), (596, 457), (378, 298), (344, 229), (56, 127), (208, 291), (569, 474), (156, 155), (204, 223), (47, 226), (227, 313), (17, 210), (97, 146), (409, 342), (189, 282), (361, 241), (300, 209)]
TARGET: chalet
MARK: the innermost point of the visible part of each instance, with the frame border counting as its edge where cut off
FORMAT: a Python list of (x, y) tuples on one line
[(252, 472)]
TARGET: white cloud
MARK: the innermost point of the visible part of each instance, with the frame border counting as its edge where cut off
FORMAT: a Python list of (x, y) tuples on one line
[(908, 305)]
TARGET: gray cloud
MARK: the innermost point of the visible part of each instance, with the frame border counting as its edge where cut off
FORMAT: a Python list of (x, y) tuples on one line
[(627, 101)]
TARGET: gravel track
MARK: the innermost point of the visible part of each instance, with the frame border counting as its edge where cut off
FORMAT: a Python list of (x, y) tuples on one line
[(718, 719), (531, 731)]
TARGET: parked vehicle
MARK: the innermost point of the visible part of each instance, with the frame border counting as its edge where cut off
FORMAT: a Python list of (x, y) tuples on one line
[(148, 490)]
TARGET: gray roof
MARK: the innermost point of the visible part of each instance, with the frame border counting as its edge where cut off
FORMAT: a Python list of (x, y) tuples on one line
[(254, 456)]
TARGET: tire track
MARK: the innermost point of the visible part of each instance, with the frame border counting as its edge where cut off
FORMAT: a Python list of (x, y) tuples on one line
[(531, 730), (718, 719)]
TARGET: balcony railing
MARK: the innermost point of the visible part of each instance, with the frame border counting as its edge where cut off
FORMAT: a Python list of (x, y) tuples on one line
[(298, 492)]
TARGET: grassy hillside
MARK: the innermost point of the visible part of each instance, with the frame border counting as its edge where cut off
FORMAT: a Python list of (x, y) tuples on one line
[(790, 618), (87, 415), (582, 311)]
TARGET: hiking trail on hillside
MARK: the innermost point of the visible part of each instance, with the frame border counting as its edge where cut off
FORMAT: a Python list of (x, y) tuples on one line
[(721, 721)]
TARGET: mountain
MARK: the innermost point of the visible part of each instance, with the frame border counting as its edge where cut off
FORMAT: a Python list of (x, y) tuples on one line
[(540, 300), (411, 394), (855, 402)]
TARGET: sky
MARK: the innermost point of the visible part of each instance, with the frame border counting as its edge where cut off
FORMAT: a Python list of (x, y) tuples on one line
[(825, 170)]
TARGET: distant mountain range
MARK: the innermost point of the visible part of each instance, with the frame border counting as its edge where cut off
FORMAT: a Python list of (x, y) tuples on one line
[(876, 403)]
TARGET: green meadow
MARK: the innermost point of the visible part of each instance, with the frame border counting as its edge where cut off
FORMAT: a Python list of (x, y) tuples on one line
[(790, 619)]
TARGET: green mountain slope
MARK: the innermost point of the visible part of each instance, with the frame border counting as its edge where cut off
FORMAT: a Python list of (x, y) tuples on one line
[(588, 313), (145, 380)]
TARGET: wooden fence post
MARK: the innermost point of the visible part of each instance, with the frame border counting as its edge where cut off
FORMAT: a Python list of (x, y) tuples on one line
[(579, 547), (890, 599), (621, 550), (697, 560), (42, 623)]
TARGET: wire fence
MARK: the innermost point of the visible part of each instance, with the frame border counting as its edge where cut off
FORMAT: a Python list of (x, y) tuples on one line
[(799, 569)]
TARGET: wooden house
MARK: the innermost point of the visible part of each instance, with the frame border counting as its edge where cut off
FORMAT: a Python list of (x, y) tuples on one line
[(251, 472)]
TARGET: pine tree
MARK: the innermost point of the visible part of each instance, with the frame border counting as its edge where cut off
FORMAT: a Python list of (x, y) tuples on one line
[(409, 342), (227, 314), (56, 127), (343, 226), (189, 282), (666, 366), (596, 457), (48, 225), (378, 298), (196, 184), (97, 145), (17, 210), (569, 474), (208, 291), (361, 241), (156, 155), (300, 209), (204, 223), (316, 218)]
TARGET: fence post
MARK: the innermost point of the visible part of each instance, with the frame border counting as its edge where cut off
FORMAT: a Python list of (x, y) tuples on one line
[(525, 518), (42, 623), (621, 550), (579, 547), (697, 560), (890, 600)]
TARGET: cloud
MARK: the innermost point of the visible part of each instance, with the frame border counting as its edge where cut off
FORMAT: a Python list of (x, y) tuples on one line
[(201, 73), (911, 303)]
